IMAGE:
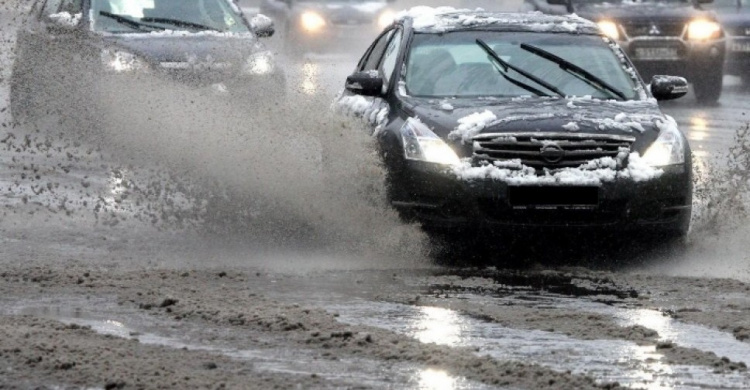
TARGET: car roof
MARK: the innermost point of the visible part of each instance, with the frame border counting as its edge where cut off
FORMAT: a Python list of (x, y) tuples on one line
[(445, 19)]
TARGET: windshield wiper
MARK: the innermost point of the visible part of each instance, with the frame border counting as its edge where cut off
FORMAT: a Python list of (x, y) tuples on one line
[(178, 23), (575, 70), (129, 22), (506, 65)]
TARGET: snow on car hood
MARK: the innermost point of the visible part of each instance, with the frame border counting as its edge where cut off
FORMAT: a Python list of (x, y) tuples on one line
[(467, 118)]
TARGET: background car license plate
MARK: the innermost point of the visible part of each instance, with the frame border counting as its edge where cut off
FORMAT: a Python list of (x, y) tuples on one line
[(553, 197), (656, 53), (740, 46)]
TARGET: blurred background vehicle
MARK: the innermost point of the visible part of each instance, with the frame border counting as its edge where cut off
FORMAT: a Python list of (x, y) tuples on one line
[(661, 36), (76, 45), (325, 25), (734, 16)]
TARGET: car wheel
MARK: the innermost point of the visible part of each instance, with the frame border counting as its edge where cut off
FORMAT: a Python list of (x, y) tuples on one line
[(708, 88)]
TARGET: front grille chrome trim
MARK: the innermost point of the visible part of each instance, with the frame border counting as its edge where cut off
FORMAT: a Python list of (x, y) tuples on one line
[(550, 150)]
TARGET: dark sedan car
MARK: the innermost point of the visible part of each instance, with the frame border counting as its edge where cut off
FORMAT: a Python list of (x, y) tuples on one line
[(497, 120), (734, 16), (675, 37), (69, 47)]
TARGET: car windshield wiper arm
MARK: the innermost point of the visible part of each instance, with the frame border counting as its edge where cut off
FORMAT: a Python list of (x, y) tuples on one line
[(128, 22), (178, 23), (506, 65), (574, 69)]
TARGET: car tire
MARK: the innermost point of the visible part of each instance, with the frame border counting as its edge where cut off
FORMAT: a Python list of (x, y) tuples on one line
[(708, 88)]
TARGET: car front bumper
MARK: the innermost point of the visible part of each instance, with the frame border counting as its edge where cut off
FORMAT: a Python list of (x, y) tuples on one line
[(437, 198), (675, 57), (738, 56)]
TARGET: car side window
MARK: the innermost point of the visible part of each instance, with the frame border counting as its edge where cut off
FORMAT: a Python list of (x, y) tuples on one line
[(390, 56), (373, 59)]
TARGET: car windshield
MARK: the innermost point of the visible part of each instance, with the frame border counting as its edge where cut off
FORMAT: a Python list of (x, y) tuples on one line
[(455, 65), (126, 16)]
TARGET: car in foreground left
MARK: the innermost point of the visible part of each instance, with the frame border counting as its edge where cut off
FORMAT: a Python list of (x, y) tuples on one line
[(66, 46), (493, 121)]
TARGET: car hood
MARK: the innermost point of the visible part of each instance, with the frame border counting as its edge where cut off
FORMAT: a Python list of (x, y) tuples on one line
[(635, 11), (580, 115), (187, 47)]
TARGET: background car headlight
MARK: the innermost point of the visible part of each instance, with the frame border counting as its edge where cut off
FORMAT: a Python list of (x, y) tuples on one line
[(312, 21), (386, 18), (122, 61), (699, 30), (259, 64), (420, 143), (668, 149), (609, 28)]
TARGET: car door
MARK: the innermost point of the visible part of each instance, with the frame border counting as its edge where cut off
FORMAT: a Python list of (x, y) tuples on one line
[(373, 110)]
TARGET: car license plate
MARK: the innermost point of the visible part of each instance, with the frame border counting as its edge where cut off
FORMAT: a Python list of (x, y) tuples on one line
[(743, 47), (656, 53), (553, 197)]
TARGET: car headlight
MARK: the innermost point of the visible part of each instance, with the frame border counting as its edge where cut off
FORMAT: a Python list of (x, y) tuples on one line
[(259, 64), (609, 28), (386, 18), (312, 21), (700, 30), (122, 61), (420, 143), (668, 149)]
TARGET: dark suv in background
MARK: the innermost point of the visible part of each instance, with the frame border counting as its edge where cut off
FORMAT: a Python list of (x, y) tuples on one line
[(734, 16), (660, 36)]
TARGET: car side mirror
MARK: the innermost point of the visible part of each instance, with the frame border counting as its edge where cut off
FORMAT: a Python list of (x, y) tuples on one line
[(368, 83), (668, 87), (567, 3), (262, 26)]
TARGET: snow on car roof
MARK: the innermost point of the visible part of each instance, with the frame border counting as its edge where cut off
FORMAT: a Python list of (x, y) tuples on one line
[(441, 19)]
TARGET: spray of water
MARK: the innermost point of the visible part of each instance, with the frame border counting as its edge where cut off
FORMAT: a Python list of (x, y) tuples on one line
[(721, 224)]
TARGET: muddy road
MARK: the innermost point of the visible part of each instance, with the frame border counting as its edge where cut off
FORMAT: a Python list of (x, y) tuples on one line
[(180, 252)]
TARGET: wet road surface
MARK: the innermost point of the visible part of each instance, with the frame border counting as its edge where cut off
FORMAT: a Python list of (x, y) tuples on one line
[(99, 249)]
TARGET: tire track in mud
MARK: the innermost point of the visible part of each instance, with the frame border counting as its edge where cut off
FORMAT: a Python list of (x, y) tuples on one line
[(226, 299)]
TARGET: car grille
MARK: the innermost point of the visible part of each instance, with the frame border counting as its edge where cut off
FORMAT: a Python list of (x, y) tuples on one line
[(653, 29), (549, 150), (188, 74), (738, 31)]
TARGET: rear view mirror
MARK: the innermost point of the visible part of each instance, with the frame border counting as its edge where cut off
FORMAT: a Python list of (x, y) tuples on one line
[(367, 83), (262, 26), (668, 87)]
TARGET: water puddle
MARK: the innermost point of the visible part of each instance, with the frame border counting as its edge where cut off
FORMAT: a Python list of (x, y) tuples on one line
[(605, 360), (104, 316)]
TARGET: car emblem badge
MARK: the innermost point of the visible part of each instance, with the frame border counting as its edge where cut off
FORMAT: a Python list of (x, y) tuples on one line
[(552, 154), (654, 30)]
